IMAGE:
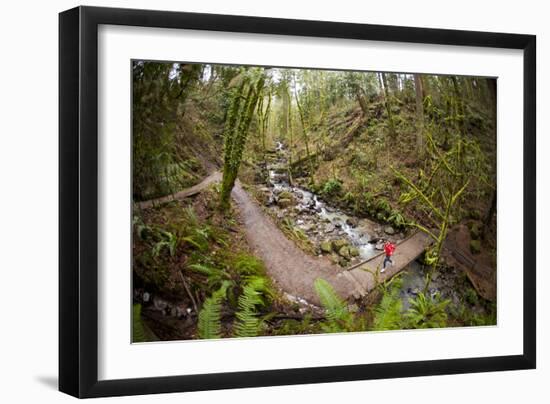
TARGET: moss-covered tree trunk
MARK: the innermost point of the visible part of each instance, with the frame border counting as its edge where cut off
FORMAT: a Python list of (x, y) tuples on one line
[(387, 103), (419, 115), (236, 132), (306, 139)]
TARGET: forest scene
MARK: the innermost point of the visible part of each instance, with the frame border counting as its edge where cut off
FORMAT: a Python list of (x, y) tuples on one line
[(281, 201)]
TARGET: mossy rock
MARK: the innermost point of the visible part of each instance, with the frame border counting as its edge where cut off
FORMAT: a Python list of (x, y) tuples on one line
[(343, 262), (345, 252), (475, 246), (338, 244), (286, 195), (354, 251), (326, 247), (285, 202)]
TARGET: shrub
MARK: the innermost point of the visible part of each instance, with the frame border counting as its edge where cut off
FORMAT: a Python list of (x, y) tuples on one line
[(332, 187)]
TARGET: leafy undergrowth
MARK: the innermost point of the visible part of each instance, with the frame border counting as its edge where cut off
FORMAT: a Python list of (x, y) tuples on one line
[(195, 277)]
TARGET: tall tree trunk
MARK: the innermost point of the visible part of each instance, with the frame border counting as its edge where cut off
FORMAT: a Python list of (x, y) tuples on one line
[(306, 137), (360, 95), (419, 115), (236, 134), (291, 142), (388, 103), (459, 102)]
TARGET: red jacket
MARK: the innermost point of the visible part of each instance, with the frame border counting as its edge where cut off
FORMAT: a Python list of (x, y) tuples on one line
[(389, 248)]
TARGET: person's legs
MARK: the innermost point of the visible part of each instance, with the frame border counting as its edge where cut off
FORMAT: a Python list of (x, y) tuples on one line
[(386, 259)]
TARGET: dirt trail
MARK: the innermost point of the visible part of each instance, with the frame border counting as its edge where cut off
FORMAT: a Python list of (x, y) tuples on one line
[(292, 270)]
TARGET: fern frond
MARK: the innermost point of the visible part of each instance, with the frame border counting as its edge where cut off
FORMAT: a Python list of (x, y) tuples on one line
[(338, 316), (209, 324), (388, 313), (248, 323), (427, 312), (140, 331)]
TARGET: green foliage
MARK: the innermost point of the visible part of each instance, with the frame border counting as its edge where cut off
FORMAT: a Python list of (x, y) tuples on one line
[(140, 331), (427, 312), (339, 318), (332, 187), (297, 235), (397, 219), (471, 296), (294, 327), (209, 324), (388, 313), (468, 317), (254, 296), (169, 242), (158, 165), (247, 265)]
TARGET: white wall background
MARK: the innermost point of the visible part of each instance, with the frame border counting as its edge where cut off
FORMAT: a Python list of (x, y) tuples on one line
[(28, 202)]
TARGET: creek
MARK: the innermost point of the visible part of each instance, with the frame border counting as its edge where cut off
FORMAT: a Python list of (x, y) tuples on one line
[(322, 223)]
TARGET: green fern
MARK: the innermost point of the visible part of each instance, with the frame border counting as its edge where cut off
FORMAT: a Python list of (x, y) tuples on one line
[(248, 265), (339, 319), (140, 331), (387, 315), (209, 324), (215, 276), (254, 295), (169, 241), (427, 312)]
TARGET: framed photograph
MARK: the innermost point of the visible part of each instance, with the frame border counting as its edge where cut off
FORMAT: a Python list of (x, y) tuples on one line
[(250, 201)]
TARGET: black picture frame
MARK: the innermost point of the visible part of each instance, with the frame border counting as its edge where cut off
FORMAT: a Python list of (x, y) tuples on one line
[(78, 200)]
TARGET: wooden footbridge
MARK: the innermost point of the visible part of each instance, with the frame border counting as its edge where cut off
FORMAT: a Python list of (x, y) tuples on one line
[(366, 275)]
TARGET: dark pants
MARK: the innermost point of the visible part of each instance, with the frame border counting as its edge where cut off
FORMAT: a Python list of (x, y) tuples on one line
[(386, 260)]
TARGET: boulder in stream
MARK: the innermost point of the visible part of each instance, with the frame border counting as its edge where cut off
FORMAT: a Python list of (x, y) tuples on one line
[(326, 247), (345, 252), (338, 244)]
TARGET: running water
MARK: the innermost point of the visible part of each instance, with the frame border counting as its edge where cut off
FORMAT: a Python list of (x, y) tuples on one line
[(314, 216)]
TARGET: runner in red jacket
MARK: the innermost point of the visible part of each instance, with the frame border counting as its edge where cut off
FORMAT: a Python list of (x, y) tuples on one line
[(389, 248)]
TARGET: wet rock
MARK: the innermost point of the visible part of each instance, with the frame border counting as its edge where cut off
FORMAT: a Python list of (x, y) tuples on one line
[(338, 244), (329, 228), (159, 303), (181, 311), (389, 230), (352, 221), (326, 247)]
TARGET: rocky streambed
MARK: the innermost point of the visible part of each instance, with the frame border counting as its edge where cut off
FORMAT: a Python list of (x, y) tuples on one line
[(346, 239)]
